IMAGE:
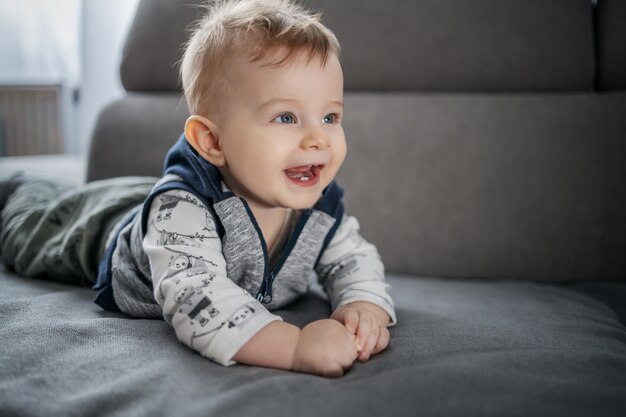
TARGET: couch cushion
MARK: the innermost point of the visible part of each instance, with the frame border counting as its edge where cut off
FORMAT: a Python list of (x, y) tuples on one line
[(459, 349), (430, 45), (615, 209), (459, 45), (153, 46), (133, 134), (490, 186), (611, 42)]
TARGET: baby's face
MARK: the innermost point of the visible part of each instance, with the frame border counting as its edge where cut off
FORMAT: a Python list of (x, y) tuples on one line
[(280, 130)]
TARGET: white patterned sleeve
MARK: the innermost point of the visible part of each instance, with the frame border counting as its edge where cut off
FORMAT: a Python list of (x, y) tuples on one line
[(351, 269), (208, 311)]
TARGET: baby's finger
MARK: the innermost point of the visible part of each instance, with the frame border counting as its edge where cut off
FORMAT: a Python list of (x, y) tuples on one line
[(383, 340), (351, 320), (363, 332), (371, 343)]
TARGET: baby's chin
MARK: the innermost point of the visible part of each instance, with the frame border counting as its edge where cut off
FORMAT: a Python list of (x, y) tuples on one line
[(301, 203), (302, 206)]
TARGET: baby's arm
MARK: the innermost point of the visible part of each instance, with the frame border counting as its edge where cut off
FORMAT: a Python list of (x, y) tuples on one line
[(323, 347), (207, 310), (214, 316), (353, 276)]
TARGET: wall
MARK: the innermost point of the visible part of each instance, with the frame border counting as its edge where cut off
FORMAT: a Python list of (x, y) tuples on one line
[(105, 24)]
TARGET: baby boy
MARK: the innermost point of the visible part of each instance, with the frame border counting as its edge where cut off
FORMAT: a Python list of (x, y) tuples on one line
[(247, 210)]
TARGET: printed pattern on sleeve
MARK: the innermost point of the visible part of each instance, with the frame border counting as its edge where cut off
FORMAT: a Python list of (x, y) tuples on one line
[(351, 270), (208, 311)]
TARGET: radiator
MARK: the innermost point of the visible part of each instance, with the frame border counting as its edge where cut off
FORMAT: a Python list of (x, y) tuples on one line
[(31, 120)]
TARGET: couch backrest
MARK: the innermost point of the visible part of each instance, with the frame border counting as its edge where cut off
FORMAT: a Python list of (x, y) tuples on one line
[(611, 44), (480, 143)]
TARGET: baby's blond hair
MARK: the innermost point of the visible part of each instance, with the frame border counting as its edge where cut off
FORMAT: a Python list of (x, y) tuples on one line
[(257, 26)]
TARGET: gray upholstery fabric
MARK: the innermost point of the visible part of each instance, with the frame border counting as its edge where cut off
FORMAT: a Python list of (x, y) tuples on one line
[(459, 45), (132, 135), (153, 45), (430, 45), (483, 185), (460, 349), (611, 44), (615, 218)]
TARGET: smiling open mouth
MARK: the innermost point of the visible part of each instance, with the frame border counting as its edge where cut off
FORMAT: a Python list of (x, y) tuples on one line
[(304, 175)]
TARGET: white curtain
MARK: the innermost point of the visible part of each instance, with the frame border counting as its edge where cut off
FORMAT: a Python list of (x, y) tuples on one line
[(39, 40)]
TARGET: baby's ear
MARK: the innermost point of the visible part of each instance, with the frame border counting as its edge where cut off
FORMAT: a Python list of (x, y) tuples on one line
[(200, 132)]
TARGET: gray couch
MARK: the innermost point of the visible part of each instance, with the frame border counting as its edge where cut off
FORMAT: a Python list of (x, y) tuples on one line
[(487, 161)]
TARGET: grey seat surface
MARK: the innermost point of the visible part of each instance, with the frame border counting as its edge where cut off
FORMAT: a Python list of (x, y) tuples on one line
[(470, 348)]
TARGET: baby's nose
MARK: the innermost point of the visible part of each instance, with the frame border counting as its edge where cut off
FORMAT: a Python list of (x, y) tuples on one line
[(315, 139)]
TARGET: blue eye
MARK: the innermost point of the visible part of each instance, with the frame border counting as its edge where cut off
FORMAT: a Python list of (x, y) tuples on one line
[(330, 118), (285, 118)]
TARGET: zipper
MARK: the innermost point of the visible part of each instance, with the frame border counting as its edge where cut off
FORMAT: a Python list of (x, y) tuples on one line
[(265, 292), (264, 295), (291, 243)]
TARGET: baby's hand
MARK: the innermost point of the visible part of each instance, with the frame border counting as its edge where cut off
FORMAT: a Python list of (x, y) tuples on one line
[(324, 347), (368, 322)]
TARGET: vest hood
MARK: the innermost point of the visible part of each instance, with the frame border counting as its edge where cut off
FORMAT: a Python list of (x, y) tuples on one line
[(184, 161)]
